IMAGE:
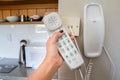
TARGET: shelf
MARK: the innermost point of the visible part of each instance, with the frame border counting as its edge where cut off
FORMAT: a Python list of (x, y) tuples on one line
[(4, 23)]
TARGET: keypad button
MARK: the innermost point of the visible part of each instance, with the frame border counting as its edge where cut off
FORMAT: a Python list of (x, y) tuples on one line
[(64, 36), (67, 48), (73, 59), (63, 51), (59, 45), (69, 61), (71, 45), (71, 54), (66, 56), (75, 51), (68, 40), (64, 43), (61, 38)]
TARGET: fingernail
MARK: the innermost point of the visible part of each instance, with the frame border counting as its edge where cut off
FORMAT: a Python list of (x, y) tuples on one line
[(61, 31)]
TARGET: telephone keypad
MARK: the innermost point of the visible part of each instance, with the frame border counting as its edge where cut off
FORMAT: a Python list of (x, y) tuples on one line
[(67, 48)]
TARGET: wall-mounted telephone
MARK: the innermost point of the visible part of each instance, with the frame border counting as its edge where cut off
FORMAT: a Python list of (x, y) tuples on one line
[(93, 30), (66, 47)]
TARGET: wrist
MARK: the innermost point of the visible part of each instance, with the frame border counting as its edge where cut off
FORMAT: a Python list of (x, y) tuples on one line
[(56, 62)]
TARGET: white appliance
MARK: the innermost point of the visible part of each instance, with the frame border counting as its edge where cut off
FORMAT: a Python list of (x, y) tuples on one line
[(35, 54)]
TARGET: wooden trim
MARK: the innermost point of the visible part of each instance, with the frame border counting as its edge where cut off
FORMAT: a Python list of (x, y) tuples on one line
[(0, 14), (5, 13), (29, 6), (12, 23)]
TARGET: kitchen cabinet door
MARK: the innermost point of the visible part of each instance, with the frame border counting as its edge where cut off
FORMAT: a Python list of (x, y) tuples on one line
[(51, 10), (41, 12), (23, 12), (14, 12), (31, 12), (0, 14), (6, 13)]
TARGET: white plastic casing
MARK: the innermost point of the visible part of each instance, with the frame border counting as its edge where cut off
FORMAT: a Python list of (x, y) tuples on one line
[(93, 30), (54, 23), (65, 45)]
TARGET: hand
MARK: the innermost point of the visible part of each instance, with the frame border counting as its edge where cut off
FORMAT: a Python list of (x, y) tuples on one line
[(52, 51)]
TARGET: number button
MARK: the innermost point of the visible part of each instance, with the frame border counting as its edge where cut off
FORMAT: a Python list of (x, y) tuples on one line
[(66, 56), (69, 61), (62, 50), (73, 59), (65, 35), (61, 38), (75, 51), (68, 40), (71, 45), (64, 43), (71, 54), (67, 48), (59, 45)]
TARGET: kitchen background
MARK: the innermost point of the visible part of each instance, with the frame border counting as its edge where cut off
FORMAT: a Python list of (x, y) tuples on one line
[(13, 32), (106, 67)]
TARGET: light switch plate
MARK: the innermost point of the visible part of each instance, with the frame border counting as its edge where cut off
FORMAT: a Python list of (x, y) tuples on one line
[(72, 23)]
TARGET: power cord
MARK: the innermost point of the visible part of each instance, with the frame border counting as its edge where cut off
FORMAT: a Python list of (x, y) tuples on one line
[(76, 78), (81, 74), (88, 71), (110, 61)]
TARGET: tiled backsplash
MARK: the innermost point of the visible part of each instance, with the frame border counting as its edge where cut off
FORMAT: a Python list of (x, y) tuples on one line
[(11, 35)]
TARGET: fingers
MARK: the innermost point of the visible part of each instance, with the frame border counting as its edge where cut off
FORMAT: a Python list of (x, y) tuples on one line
[(57, 35), (71, 36)]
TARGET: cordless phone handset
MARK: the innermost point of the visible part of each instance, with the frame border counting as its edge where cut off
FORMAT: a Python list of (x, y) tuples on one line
[(65, 45)]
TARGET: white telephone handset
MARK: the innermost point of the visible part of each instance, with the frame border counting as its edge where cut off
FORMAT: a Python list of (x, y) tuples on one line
[(66, 47)]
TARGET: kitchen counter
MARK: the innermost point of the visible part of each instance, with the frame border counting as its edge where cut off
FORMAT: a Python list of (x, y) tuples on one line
[(19, 73)]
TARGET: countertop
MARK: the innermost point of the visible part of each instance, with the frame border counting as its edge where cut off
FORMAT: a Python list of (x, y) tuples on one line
[(19, 73)]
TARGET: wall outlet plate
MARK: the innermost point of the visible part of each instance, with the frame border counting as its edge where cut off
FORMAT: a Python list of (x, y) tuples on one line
[(72, 23)]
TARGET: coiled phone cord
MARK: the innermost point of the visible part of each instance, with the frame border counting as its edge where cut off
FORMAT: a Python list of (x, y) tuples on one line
[(89, 70)]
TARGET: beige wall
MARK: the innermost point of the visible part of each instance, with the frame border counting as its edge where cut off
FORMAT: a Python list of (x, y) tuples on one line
[(103, 68)]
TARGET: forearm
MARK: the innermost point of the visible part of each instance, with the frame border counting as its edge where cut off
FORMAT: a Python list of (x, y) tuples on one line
[(52, 61), (45, 71)]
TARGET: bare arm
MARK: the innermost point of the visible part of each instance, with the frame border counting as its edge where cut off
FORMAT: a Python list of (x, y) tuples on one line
[(52, 61)]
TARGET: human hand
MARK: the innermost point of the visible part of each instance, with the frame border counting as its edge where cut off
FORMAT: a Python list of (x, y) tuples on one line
[(52, 51), (52, 62)]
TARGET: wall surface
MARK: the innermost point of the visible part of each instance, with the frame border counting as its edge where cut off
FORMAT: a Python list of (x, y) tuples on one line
[(106, 67)]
